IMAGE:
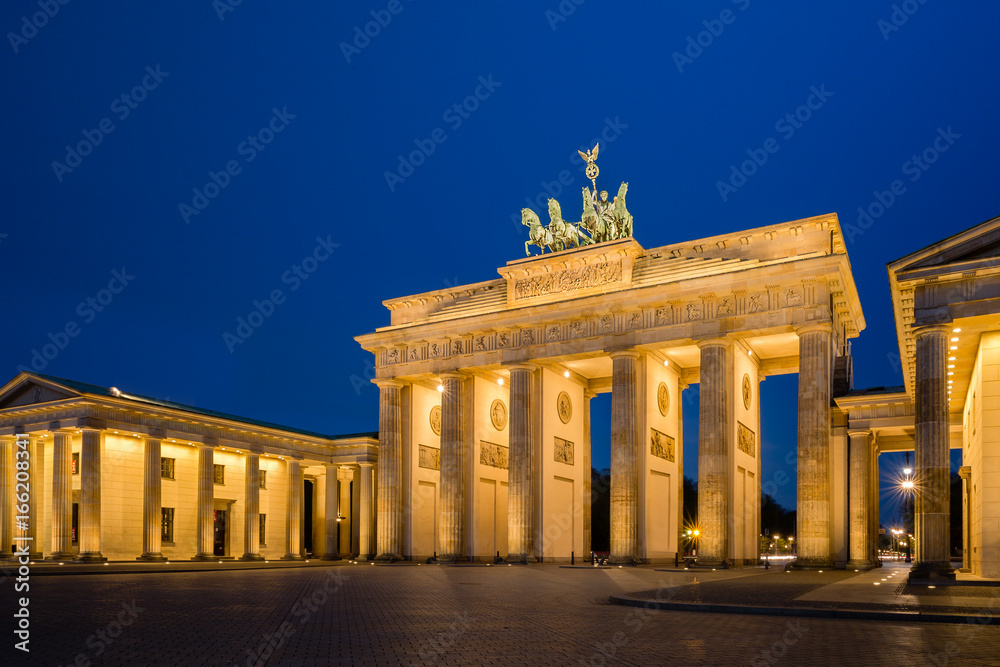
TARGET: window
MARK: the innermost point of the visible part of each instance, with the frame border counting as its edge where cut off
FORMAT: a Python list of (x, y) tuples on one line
[(220, 474), (263, 522), (167, 523), (166, 468), (263, 479), (76, 463)]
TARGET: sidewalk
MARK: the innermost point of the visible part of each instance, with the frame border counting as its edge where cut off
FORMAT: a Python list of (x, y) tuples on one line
[(880, 594), (69, 567)]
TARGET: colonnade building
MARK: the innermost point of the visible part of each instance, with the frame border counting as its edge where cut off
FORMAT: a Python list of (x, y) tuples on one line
[(483, 447), (117, 476)]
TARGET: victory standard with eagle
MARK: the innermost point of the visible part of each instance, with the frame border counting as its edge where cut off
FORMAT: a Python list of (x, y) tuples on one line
[(602, 220)]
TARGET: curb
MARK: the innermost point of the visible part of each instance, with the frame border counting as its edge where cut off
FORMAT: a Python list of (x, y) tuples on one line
[(809, 612), (49, 571)]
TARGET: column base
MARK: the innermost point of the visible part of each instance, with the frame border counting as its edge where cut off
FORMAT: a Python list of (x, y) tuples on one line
[(520, 558), (811, 564), (859, 565), (388, 558), (292, 557), (932, 571), (251, 557), (712, 564), (61, 555), (205, 557), (154, 557), (94, 557), (330, 557)]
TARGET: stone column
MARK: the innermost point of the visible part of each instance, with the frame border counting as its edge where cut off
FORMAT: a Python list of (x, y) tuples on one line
[(206, 503), (931, 455), (90, 497), (62, 496), (678, 405), (714, 473), (331, 511), (873, 505), (390, 471), (813, 487), (965, 472), (345, 476), (520, 490), (151, 502), (293, 512), (36, 451), (251, 515), (587, 491), (624, 457), (365, 533), (451, 526), (859, 483), (7, 447)]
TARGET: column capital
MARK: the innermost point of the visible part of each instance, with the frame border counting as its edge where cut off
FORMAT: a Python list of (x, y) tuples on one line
[(588, 394), (452, 375), (919, 332), (713, 342), (388, 383), (859, 432), (965, 472), (204, 445), (630, 353), (809, 327), (522, 366), (366, 464), (156, 433)]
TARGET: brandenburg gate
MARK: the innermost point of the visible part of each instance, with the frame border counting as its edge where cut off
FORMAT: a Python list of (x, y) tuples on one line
[(485, 390)]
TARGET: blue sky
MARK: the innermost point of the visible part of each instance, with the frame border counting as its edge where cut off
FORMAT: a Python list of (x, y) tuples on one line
[(217, 152)]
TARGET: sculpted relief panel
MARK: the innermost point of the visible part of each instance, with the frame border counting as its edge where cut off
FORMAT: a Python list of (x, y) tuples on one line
[(429, 457), (569, 280), (493, 455), (747, 440), (661, 445), (563, 452)]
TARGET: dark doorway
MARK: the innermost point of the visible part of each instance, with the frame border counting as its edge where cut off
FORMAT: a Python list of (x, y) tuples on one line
[(220, 532), (307, 517)]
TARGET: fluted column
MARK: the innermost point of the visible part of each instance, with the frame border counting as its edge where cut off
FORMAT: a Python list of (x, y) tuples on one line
[(587, 491), (7, 447), (293, 513), (346, 475), (859, 483), (331, 511), (151, 502), (206, 503), (251, 515), (36, 484), (713, 453), (521, 486), (624, 457), (390, 471), (813, 484), (451, 526), (90, 497), (931, 467), (873, 508), (62, 496), (366, 533)]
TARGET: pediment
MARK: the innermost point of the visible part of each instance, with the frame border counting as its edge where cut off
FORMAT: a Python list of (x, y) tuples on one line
[(974, 245), (30, 390)]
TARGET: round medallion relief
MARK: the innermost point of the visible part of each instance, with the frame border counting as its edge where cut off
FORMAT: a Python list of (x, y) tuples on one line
[(498, 415), (435, 418), (565, 407), (747, 391), (663, 398)]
